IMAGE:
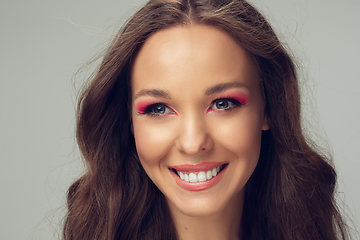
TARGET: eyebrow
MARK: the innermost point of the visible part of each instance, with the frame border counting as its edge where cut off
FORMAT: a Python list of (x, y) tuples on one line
[(153, 93), (222, 86), (163, 94)]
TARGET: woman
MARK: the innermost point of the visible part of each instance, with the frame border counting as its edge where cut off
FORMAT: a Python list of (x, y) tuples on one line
[(191, 129)]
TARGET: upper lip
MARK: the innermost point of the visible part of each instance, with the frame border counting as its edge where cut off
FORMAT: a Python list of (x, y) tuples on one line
[(197, 167)]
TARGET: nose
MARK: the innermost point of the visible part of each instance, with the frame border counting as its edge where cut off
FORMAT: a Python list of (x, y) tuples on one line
[(194, 136)]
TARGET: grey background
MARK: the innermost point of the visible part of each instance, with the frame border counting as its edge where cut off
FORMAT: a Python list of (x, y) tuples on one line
[(43, 43)]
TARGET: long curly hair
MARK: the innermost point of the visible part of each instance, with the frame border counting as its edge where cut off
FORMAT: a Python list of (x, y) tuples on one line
[(290, 195)]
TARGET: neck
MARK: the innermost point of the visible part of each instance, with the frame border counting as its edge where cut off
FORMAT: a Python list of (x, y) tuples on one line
[(225, 224)]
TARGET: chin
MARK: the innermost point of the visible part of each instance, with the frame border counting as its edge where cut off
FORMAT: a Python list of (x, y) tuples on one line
[(203, 206)]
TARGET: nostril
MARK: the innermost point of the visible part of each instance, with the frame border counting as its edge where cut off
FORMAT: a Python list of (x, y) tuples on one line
[(192, 141)]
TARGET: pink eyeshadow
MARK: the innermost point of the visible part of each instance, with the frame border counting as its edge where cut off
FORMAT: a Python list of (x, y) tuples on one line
[(241, 97), (141, 106)]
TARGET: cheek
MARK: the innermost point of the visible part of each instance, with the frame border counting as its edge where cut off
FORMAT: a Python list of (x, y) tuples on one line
[(242, 136), (153, 141)]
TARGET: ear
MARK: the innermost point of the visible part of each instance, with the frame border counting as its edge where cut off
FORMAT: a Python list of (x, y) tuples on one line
[(266, 125)]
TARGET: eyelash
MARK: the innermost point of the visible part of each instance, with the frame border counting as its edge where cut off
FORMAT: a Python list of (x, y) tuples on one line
[(149, 110), (227, 100)]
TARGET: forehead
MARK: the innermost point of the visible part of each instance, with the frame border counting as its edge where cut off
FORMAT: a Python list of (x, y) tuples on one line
[(197, 55)]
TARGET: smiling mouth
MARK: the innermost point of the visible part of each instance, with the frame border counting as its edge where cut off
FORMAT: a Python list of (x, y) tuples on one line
[(199, 176)]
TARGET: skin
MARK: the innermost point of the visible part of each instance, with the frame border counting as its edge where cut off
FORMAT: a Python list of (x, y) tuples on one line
[(185, 63)]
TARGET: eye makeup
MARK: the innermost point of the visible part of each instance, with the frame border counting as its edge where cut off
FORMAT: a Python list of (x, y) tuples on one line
[(238, 99), (148, 106), (241, 97), (232, 99), (142, 105)]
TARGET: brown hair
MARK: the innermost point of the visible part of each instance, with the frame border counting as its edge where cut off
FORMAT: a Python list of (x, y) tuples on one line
[(289, 196)]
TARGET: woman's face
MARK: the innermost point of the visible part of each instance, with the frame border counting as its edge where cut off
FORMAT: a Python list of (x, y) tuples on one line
[(197, 115)]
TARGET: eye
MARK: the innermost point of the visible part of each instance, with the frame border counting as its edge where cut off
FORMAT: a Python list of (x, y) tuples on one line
[(157, 109), (226, 104)]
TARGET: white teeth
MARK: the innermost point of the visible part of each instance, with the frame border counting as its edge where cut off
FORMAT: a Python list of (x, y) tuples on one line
[(209, 175), (186, 178), (214, 172), (193, 177), (200, 177)]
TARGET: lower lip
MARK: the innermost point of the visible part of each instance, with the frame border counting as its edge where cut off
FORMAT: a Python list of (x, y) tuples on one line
[(198, 186)]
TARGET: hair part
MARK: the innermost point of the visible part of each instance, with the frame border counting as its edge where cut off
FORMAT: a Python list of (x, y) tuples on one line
[(291, 192)]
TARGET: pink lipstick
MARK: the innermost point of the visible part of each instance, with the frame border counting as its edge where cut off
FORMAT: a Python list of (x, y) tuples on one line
[(198, 177)]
